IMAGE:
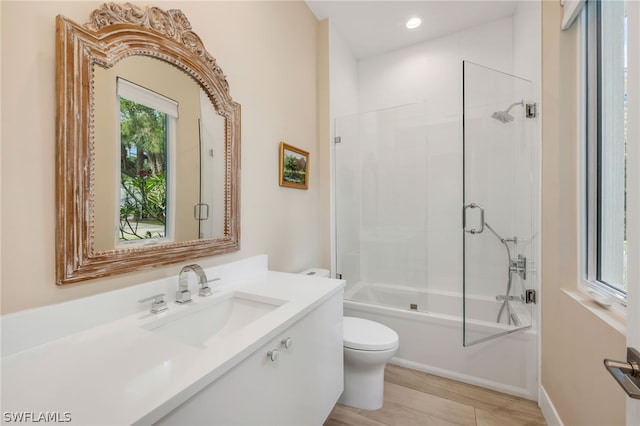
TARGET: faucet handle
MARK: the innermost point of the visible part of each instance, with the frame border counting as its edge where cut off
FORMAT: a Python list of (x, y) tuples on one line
[(158, 305), (205, 290), (183, 296)]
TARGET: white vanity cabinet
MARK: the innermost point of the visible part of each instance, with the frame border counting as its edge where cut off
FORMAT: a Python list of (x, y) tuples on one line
[(297, 385)]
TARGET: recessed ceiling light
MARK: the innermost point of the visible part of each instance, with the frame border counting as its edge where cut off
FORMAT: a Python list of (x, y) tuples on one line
[(414, 23)]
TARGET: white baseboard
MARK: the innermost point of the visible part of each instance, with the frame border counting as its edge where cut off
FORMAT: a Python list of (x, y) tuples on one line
[(465, 378), (548, 410)]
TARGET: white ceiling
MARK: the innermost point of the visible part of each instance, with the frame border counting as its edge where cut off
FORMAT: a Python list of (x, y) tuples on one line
[(371, 27)]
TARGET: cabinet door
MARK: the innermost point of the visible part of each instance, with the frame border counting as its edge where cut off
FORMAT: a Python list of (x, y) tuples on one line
[(244, 395), (310, 372)]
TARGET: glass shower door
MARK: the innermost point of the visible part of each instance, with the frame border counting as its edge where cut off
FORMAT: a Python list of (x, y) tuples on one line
[(382, 208), (498, 203)]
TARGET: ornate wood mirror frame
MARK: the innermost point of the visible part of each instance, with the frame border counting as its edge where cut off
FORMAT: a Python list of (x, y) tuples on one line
[(114, 32)]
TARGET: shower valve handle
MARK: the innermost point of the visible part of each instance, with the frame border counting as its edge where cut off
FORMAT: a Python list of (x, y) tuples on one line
[(464, 218)]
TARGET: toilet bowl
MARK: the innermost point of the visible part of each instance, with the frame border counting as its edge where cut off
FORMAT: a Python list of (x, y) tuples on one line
[(368, 346)]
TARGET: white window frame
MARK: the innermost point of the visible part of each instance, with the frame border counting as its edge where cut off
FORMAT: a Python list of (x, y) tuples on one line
[(589, 176)]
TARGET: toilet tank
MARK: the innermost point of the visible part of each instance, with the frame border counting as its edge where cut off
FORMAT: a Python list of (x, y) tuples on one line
[(316, 272)]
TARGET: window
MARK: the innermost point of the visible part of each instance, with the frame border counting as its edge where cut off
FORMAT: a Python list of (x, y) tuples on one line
[(146, 119), (606, 131)]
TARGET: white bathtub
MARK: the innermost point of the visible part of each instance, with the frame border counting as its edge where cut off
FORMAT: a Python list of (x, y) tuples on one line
[(431, 337)]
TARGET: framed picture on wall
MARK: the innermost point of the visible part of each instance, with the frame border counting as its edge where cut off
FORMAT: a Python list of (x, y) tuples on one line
[(294, 167)]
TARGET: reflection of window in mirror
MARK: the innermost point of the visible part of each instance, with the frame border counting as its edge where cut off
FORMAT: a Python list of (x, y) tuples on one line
[(196, 154), (147, 122)]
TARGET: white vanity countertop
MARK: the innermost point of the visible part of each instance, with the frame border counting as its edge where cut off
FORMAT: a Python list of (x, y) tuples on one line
[(121, 373)]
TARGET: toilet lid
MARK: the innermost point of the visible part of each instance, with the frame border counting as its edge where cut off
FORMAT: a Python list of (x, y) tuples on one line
[(365, 335)]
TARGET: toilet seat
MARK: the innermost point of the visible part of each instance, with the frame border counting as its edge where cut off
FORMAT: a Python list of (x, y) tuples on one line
[(364, 335)]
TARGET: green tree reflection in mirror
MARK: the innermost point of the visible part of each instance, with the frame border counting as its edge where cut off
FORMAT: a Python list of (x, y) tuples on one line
[(143, 172)]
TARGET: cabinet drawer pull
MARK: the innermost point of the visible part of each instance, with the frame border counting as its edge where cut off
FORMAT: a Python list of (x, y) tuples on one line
[(273, 354), (286, 342)]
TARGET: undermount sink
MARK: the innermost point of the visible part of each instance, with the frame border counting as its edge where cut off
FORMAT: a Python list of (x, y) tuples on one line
[(211, 321)]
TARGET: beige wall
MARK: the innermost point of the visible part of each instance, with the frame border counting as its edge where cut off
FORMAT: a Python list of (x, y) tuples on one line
[(268, 52), (574, 339)]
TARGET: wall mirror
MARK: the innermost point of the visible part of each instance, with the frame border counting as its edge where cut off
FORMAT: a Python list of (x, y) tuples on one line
[(148, 145)]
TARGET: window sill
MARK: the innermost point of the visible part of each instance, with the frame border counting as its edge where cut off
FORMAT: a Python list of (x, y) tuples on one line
[(614, 317)]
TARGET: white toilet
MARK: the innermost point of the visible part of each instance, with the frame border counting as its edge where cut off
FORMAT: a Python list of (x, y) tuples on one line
[(368, 346)]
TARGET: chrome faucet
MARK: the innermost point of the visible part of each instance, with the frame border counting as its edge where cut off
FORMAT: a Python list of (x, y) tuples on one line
[(183, 295)]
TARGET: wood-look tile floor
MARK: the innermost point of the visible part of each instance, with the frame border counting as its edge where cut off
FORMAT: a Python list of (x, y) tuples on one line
[(413, 398)]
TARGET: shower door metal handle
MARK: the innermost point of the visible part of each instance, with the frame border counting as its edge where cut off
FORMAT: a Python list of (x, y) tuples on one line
[(201, 211), (464, 218), (627, 374)]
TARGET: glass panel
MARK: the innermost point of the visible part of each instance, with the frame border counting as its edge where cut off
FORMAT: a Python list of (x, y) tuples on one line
[(383, 209), (211, 211), (399, 187), (611, 146), (499, 182)]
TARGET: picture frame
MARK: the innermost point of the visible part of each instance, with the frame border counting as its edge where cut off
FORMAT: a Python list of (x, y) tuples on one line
[(294, 167)]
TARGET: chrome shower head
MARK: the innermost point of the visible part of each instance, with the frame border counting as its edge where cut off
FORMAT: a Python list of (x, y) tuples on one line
[(504, 116)]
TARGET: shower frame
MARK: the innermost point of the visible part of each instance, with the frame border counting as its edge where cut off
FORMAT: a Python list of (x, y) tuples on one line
[(370, 249)]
